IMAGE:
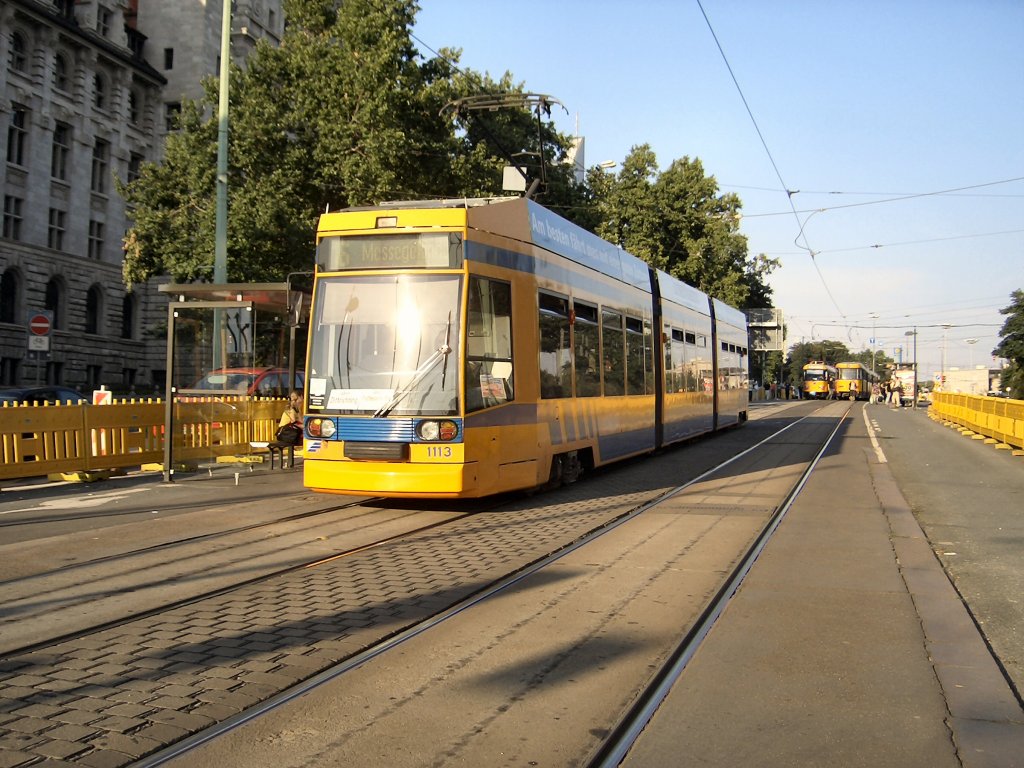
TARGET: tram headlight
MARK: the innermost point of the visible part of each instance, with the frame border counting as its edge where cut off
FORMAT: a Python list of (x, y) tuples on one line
[(321, 427), (433, 431)]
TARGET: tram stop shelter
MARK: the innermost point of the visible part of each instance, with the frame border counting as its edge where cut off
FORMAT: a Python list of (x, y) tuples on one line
[(231, 357)]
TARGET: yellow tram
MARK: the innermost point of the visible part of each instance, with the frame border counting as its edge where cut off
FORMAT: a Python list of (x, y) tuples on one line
[(466, 348), (854, 381), (819, 381)]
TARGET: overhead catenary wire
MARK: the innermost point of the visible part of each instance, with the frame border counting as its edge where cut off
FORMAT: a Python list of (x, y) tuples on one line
[(789, 192)]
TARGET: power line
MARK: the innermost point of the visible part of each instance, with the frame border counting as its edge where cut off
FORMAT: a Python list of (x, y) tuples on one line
[(895, 199), (778, 173)]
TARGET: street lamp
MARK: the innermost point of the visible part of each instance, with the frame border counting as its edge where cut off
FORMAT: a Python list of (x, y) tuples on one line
[(914, 362), (874, 344), (970, 344), (942, 378)]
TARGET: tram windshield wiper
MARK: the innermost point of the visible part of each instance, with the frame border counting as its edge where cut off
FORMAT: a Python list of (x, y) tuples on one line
[(439, 354)]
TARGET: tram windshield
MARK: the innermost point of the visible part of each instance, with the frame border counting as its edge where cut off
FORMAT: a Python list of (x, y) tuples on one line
[(814, 375), (385, 345)]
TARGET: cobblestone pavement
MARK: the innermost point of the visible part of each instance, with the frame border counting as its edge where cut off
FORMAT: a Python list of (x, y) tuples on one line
[(108, 698)]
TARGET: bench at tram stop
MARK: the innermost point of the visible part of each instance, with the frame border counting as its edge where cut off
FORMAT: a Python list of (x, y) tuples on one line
[(278, 449)]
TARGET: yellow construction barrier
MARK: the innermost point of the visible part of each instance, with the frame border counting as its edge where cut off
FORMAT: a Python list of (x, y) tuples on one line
[(998, 421), (39, 440)]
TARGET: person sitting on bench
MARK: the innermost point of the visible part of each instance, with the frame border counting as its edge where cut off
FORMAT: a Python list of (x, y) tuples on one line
[(289, 431)]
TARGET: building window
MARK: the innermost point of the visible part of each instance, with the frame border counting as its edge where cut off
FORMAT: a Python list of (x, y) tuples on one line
[(99, 91), (93, 376), (66, 8), (8, 370), (61, 151), (12, 217), (134, 166), (18, 59), (8, 296), (55, 301), (133, 107), (100, 162), (95, 239), (128, 318), (172, 115), (17, 136), (60, 72), (128, 377), (55, 234), (168, 58), (54, 372), (104, 17), (93, 310)]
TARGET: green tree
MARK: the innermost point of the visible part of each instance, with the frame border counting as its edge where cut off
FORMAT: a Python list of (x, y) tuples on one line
[(677, 221), (1011, 345), (343, 112)]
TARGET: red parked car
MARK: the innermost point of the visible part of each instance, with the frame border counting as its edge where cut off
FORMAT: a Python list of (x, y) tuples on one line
[(263, 382)]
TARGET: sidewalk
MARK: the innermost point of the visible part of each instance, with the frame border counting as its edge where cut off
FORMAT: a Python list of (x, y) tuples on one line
[(845, 646)]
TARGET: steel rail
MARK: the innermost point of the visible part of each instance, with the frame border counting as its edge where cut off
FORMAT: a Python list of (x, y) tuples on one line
[(614, 749), (179, 542), (122, 620), (198, 739)]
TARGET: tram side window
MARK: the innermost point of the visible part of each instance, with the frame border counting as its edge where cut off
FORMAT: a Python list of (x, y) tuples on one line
[(613, 345), (635, 357), (488, 344), (649, 382), (555, 351), (586, 350), (673, 359)]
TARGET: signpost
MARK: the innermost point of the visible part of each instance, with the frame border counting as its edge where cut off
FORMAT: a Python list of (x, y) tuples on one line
[(40, 323)]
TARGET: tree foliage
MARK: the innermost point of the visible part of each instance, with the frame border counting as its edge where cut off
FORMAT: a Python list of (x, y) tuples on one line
[(677, 221), (1011, 345), (346, 111)]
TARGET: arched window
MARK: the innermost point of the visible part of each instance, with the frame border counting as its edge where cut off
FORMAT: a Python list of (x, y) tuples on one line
[(60, 72), (94, 310), (128, 316), (9, 285), (55, 300), (19, 58)]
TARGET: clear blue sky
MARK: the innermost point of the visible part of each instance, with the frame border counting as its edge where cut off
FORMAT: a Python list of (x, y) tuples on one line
[(857, 102)]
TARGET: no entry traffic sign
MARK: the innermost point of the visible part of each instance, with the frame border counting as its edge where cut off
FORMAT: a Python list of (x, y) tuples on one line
[(40, 327), (39, 324)]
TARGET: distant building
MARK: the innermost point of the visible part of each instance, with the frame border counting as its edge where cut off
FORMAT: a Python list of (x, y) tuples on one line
[(88, 91), (972, 381)]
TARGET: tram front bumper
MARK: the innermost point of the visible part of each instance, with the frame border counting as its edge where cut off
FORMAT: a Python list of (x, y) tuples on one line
[(393, 479)]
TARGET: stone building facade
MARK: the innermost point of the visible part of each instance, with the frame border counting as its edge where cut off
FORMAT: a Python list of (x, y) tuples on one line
[(88, 91)]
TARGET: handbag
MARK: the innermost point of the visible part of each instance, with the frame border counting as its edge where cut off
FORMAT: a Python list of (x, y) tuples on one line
[(289, 434)]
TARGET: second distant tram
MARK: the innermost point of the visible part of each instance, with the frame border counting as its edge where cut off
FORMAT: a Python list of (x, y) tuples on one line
[(854, 381), (819, 381)]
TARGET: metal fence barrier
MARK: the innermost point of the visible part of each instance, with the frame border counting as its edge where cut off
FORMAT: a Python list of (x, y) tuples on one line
[(998, 421), (39, 440)]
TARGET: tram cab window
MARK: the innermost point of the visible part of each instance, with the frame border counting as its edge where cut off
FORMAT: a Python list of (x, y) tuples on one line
[(555, 350), (488, 344)]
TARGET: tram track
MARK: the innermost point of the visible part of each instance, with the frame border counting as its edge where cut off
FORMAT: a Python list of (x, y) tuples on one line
[(451, 567), (170, 545), (625, 732)]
